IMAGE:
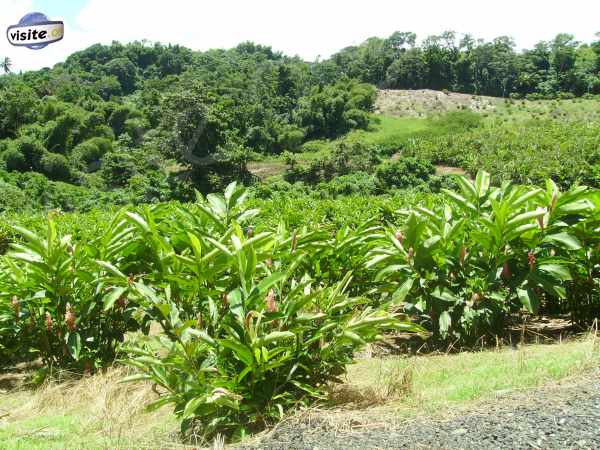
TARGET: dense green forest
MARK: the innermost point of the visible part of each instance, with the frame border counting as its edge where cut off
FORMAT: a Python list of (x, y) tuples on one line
[(145, 122), (110, 117), (560, 66)]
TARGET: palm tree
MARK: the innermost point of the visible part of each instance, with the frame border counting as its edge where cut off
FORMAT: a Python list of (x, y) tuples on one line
[(6, 64)]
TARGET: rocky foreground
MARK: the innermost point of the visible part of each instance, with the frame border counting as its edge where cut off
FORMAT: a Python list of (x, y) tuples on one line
[(559, 417)]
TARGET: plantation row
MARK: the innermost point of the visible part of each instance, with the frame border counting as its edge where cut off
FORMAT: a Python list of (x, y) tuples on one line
[(256, 319)]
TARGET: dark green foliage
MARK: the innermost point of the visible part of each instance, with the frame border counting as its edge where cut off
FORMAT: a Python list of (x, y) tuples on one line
[(89, 153), (404, 173), (32, 150), (15, 160), (207, 111), (335, 110), (55, 167), (117, 119), (18, 106), (117, 168), (125, 72), (561, 67)]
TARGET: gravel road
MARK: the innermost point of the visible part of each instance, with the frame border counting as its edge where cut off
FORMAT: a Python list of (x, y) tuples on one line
[(559, 417)]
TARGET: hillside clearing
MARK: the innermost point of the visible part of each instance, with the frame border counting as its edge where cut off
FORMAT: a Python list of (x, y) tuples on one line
[(424, 102)]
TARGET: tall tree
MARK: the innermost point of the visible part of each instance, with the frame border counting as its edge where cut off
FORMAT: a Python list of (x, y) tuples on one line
[(6, 64)]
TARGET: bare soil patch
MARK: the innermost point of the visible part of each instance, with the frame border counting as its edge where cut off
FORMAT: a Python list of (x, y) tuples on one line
[(424, 102), (264, 170)]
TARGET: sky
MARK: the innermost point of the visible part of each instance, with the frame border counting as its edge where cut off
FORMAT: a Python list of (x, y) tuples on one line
[(308, 28)]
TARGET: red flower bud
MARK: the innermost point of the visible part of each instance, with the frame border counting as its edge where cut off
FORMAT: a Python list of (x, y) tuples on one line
[(269, 263), (271, 303), (399, 236), (48, 321), (16, 306), (463, 255), (122, 302), (225, 299), (506, 273), (411, 253), (70, 318), (531, 260)]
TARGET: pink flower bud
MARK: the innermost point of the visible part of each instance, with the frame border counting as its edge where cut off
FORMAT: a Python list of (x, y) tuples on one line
[(271, 303), (531, 260), (399, 236), (48, 321), (70, 318), (16, 306), (463, 255)]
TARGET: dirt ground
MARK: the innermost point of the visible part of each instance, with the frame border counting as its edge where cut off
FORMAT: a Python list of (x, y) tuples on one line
[(423, 102)]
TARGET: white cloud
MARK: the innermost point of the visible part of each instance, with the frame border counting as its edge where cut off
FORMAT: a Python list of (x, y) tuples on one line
[(308, 28)]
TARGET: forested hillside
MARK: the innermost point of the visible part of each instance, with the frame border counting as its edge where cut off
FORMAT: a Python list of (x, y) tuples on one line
[(562, 66), (143, 122), (110, 117)]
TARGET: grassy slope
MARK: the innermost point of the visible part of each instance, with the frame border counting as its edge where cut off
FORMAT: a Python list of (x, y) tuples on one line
[(393, 126), (96, 412), (436, 384)]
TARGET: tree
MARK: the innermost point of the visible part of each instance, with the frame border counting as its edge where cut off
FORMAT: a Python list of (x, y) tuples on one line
[(18, 106), (125, 71), (6, 64)]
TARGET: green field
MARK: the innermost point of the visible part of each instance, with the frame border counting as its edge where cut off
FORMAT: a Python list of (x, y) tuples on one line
[(223, 237)]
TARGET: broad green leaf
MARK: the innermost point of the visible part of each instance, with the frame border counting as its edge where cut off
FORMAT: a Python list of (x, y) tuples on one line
[(559, 272), (400, 294), (445, 321), (564, 240), (73, 341), (240, 350), (529, 299), (110, 298)]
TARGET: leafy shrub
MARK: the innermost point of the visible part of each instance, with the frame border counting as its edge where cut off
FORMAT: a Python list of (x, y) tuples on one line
[(566, 95), (55, 166), (277, 189), (455, 122), (356, 183), (12, 199), (56, 307), (404, 173), (32, 149), (265, 337), (15, 160), (91, 151), (117, 168), (530, 154), (464, 266)]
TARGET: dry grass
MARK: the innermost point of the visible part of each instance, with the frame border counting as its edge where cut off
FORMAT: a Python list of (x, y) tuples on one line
[(93, 412), (379, 393)]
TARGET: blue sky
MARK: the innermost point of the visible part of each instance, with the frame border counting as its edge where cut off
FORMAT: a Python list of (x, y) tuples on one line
[(68, 10), (308, 28)]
